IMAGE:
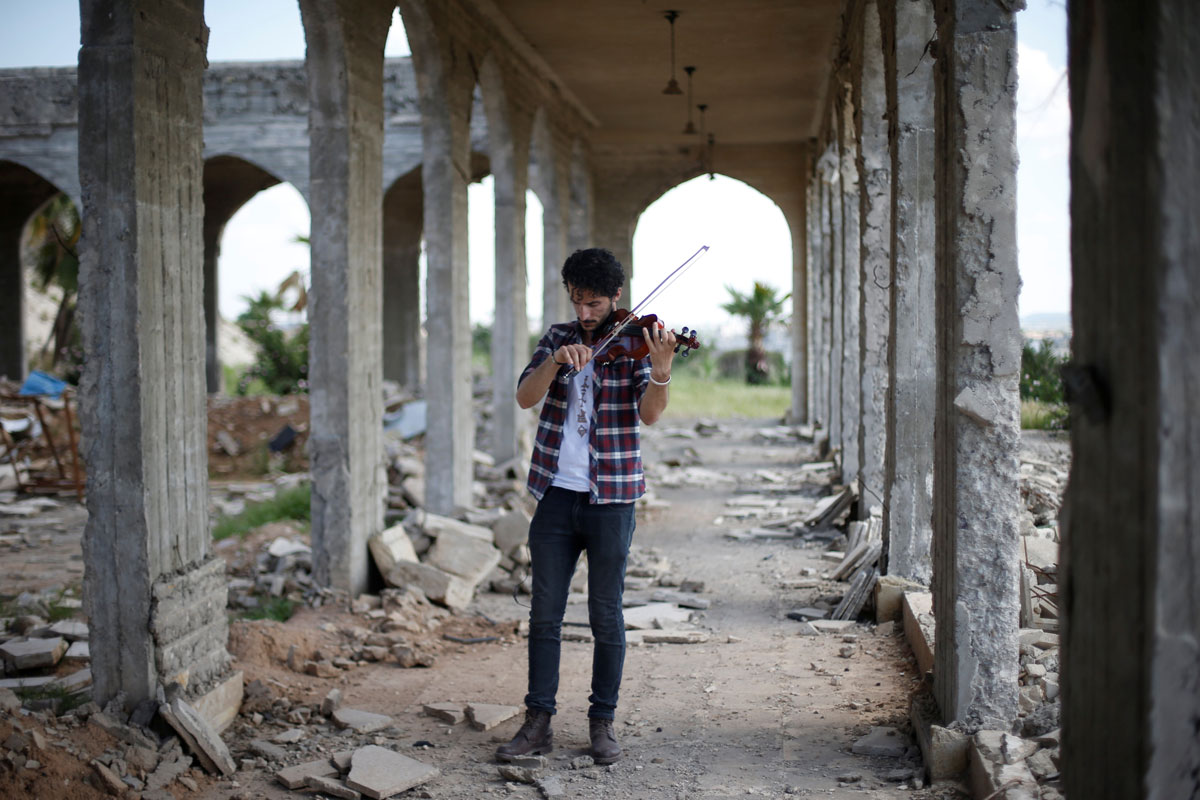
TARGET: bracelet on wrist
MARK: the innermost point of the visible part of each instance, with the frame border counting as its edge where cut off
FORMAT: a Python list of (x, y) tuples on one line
[(660, 383)]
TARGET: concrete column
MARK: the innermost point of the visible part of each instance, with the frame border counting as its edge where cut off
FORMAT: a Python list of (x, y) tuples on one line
[(798, 223), (345, 86), (849, 243), (446, 84), (830, 281), (403, 219), (977, 420), (155, 596), (908, 463), (815, 297), (874, 270), (579, 228), (508, 151), (1131, 658), (837, 298)]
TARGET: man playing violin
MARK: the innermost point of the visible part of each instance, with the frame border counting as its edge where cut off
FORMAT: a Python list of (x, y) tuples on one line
[(586, 474)]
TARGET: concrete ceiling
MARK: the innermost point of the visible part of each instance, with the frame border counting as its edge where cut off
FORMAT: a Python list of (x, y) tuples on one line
[(762, 66)]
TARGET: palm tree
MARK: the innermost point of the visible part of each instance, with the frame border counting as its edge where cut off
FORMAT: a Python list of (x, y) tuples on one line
[(761, 308), (51, 239)]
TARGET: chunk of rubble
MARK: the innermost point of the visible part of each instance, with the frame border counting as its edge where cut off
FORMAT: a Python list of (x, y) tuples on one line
[(463, 555), (881, 741), (378, 772), (434, 526), (440, 587), (391, 546), (331, 787), (296, 777), (511, 531), (998, 759), (360, 721), (199, 736), (452, 713), (485, 716), (656, 615), (71, 630), (675, 637), (682, 599), (33, 653)]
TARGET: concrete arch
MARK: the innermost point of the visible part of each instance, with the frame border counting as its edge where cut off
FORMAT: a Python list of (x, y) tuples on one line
[(23, 192), (230, 181)]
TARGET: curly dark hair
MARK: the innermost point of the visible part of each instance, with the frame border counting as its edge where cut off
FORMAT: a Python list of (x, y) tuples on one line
[(595, 270)]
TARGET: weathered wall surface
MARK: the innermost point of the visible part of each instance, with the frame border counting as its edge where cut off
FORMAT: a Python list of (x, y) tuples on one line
[(1131, 671)]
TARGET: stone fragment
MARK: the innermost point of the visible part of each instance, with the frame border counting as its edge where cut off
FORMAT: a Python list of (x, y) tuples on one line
[(656, 615), (997, 760), (378, 772), (390, 546), (78, 651), (290, 736), (519, 774), (529, 762), (806, 614), (511, 531), (918, 616), (944, 750), (889, 596), (1042, 765), (582, 762), (881, 741), (331, 787), (71, 630), (332, 702), (682, 599), (551, 788), (118, 730), (341, 759), (33, 653), (199, 736), (296, 777), (220, 705), (434, 526), (321, 669), (172, 764), (832, 625), (76, 681), (446, 712), (408, 656), (9, 702), (360, 721), (674, 637), (463, 555), (109, 779), (271, 752), (439, 586), (485, 716)]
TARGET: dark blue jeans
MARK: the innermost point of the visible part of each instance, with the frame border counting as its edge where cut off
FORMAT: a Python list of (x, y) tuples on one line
[(565, 525)]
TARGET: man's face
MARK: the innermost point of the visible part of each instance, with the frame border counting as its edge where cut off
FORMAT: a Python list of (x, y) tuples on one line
[(592, 309)]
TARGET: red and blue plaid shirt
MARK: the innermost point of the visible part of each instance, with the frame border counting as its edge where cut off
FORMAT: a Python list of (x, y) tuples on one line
[(614, 443)]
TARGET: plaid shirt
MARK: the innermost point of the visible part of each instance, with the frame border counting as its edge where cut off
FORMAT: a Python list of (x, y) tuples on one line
[(615, 463)]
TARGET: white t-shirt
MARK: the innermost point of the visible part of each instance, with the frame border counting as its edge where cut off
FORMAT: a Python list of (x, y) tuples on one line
[(574, 461)]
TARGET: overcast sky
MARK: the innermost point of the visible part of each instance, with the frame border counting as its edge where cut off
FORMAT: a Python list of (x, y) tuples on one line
[(746, 231)]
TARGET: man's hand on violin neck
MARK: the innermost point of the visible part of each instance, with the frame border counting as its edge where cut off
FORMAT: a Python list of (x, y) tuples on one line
[(577, 355), (662, 350)]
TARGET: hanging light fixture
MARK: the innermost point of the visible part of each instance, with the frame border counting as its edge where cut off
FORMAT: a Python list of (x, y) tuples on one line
[(703, 107), (672, 85), (689, 128), (712, 143)]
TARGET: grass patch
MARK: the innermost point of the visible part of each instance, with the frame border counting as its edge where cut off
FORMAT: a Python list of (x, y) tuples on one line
[(294, 504), (279, 609), (1040, 416), (59, 697), (695, 395)]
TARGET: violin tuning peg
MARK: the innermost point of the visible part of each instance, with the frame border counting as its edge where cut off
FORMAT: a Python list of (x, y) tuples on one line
[(687, 353)]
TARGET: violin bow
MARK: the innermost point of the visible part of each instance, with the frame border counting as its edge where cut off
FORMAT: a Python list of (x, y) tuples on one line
[(663, 285)]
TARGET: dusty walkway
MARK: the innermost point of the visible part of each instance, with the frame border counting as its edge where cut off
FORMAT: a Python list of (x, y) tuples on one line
[(756, 711)]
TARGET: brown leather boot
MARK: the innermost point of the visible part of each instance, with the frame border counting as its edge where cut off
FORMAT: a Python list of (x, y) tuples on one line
[(534, 738), (605, 749)]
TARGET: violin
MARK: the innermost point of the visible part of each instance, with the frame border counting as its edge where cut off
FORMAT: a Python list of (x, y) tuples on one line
[(631, 342)]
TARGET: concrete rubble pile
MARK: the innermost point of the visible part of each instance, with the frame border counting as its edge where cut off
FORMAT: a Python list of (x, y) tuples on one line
[(46, 662)]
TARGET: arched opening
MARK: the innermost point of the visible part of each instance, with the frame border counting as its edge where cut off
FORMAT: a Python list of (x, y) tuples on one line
[(31, 229), (749, 242)]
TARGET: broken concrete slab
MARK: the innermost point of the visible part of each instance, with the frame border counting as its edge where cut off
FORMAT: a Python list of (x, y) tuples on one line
[(881, 741), (220, 705), (551, 788), (807, 613), (997, 759), (332, 702), (519, 774), (889, 596), (944, 750), (463, 555), (390, 546), (378, 772), (331, 787), (295, 777), (434, 526), (33, 653), (485, 716), (290, 736), (675, 637), (71, 630), (452, 713), (919, 627), (25, 682), (440, 587), (360, 721), (78, 651), (682, 599), (832, 625), (271, 752), (80, 679), (656, 615), (511, 531), (199, 736)]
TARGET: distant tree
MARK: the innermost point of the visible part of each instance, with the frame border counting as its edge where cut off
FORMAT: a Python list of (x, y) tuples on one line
[(282, 362), (51, 241), (761, 307)]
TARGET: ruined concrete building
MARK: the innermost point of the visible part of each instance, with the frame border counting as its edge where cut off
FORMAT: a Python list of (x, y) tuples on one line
[(883, 129)]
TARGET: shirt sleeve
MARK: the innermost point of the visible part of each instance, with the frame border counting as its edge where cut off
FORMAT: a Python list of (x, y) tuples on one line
[(545, 348), (641, 377)]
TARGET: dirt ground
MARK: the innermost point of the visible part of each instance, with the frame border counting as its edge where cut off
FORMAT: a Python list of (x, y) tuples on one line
[(758, 710)]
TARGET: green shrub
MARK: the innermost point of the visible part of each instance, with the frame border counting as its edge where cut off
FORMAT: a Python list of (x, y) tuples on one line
[(282, 363), (294, 504), (279, 609), (1041, 373)]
